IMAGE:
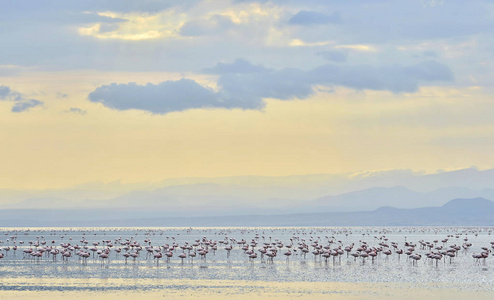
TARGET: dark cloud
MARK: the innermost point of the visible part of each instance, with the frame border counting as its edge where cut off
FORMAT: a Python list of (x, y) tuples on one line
[(247, 90), (161, 98), (243, 85), (305, 17), (25, 105), (20, 102), (4, 92), (429, 71), (9, 95), (395, 78)]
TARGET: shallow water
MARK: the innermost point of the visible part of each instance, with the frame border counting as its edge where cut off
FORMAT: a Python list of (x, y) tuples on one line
[(223, 274)]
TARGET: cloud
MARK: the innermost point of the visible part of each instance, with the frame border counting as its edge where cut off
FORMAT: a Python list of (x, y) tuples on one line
[(214, 25), (124, 6), (305, 18), (105, 28), (161, 98), (238, 66), (394, 78), (243, 85), (289, 83), (25, 105), (4, 92), (430, 53), (247, 90), (9, 95), (76, 110), (82, 18), (429, 71), (336, 56), (20, 102)]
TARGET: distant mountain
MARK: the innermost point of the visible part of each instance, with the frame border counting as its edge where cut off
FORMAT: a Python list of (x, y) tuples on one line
[(399, 196), (477, 206), (457, 212), (371, 199), (266, 195)]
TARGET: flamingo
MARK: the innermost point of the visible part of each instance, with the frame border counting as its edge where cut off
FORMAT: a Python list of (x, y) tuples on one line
[(182, 256), (168, 254), (157, 256), (287, 254), (192, 255)]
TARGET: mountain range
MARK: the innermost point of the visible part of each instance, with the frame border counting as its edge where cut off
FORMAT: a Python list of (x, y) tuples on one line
[(260, 195), (457, 212)]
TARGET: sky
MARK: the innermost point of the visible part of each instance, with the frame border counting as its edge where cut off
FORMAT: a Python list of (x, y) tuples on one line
[(143, 91)]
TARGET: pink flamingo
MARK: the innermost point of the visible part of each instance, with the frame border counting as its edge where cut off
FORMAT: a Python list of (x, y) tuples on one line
[(182, 256), (287, 254)]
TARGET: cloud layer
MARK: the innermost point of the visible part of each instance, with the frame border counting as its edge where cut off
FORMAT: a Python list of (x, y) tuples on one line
[(96, 34), (244, 85)]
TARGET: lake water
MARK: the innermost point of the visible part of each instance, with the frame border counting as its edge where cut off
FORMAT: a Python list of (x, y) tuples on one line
[(223, 273)]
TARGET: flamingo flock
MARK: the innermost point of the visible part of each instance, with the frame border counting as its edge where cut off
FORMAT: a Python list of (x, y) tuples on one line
[(252, 245)]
